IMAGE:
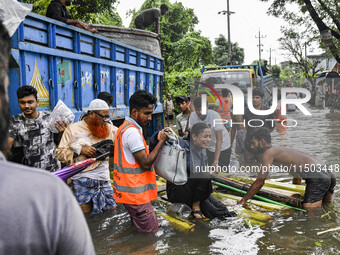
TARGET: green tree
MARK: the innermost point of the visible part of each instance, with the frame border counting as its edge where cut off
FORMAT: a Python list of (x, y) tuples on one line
[(294, 43), (175, 25), (220, 52), (179, 83), (192, 51), (90, 11), (183, 48), (276, 70), (315, 15)]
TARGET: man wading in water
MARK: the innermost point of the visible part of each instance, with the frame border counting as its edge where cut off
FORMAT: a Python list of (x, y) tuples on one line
[(320, 181)]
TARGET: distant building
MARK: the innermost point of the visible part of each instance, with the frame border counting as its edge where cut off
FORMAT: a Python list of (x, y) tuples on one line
[(327, 64)]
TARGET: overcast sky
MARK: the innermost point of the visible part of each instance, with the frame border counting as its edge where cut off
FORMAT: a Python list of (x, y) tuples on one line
[(250, 17)]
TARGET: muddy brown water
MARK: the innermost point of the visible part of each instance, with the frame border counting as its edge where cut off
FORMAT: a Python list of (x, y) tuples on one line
[(290, 232)]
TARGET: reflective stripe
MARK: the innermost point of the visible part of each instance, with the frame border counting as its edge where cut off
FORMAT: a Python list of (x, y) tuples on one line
[(127, 170), (140, 189), (120, 148), (119, 167)]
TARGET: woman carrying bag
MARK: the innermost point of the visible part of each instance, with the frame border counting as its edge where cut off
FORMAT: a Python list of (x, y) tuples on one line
[(196, 193)]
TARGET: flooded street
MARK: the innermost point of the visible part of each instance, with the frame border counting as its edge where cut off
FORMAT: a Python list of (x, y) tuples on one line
[(290, 232)]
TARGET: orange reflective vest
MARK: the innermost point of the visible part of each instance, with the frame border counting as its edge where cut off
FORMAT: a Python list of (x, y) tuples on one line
[(131, 184), (224, 109)]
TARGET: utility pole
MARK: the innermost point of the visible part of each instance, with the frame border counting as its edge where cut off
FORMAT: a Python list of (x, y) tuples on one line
[(228, 12), (259, 45), (306, 56), (270, 57)]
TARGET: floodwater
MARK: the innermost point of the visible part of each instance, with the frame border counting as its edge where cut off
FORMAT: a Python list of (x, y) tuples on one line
[(290, 232)]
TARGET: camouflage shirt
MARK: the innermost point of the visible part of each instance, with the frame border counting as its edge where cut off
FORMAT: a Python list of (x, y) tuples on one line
[(36, 140)]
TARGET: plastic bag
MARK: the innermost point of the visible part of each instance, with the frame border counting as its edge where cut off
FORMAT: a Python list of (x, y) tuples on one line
[(12, 13), (179, 210), (78, 141), (60, 113)]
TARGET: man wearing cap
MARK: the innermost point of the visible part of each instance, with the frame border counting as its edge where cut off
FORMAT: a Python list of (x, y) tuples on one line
[(182, 118), (92, 186)]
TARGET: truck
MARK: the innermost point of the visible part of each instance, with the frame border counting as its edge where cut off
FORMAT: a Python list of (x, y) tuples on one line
[(242, 76), (67, 63)]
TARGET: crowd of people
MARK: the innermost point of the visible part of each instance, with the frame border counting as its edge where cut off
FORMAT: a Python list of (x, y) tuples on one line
[(35, 201)]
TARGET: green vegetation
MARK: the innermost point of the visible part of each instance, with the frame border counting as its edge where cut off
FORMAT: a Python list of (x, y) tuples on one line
[(90, 11), (183, 48), (221, 52)]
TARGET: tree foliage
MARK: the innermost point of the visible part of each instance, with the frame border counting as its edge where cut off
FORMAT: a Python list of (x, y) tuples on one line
[(294, 43), (179, 83), (184, 50), (221, 52), (276, 70), (314, 15), (90, 11), (191, 51), (182, 47)]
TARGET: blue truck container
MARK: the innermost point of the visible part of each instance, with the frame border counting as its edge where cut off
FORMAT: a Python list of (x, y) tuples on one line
[(67, 63)]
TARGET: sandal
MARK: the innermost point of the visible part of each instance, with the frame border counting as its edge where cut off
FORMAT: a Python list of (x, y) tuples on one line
[(199, 213)]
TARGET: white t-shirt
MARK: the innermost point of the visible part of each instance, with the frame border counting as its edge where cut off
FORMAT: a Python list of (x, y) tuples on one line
[(215, 126), (132, 141)]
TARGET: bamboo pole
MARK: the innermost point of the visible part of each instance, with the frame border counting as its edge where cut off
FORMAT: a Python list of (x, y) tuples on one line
[(275, 184), (256, 196), (253, 202), (248, 182), (268, 194), (180, 223), (328, 230)]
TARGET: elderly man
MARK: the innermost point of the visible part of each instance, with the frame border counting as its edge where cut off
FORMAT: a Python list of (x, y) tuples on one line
[(92, 186)]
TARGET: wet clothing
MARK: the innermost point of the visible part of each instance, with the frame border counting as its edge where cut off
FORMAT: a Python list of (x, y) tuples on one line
[(143, 217), (147, 17), (318, 183), (36, 139), (40, 216), (93, 183), (98, 192), (56, 10), (133, 186), (198, 186), (131, 183)]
